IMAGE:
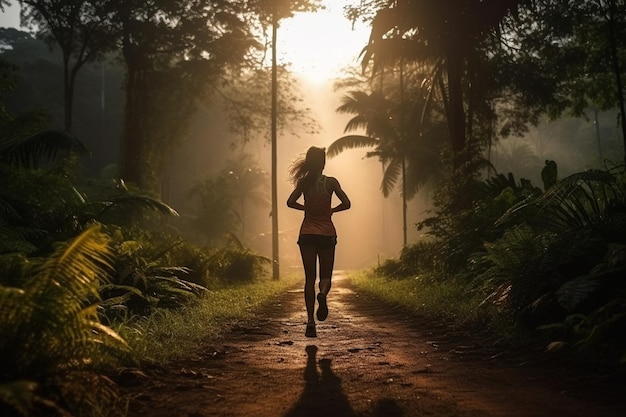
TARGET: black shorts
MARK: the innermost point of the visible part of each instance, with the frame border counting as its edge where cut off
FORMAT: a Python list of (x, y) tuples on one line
[(319, 241)]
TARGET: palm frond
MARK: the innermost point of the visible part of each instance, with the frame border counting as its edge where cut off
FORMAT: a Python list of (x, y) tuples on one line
[(579, 200), (232, 240), (47, 144), (392, 172), (7, 211), (350, 142), (435, 74), (19, 239), (573, 292), (77, 267), (11, 309), (357, 101), (387, 52), (136, 201), (357, 122)]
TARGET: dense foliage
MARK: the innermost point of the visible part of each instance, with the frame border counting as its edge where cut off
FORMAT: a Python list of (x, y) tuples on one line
[(554, 259), (81, 256), (78, 256)]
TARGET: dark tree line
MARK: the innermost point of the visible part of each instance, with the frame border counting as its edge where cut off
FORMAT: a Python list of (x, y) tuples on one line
[(174, 54), (484, 70)]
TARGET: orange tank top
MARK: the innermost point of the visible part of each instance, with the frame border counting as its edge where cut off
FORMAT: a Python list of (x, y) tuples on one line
[(317, 215)]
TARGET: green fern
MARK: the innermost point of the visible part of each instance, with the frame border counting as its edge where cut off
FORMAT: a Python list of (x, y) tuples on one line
[(50, 332), (583, 199), (28, 152), (573, 292)]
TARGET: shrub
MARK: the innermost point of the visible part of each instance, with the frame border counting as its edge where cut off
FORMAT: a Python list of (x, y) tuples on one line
[(236, 265), (413, 259)]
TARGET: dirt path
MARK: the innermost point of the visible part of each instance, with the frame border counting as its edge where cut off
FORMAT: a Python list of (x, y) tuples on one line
[(368, 360)]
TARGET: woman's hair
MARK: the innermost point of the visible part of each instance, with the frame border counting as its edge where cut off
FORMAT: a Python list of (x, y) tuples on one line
[(304, 170)]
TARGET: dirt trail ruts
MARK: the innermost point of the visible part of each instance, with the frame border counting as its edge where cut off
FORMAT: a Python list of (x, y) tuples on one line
[(368, 360)]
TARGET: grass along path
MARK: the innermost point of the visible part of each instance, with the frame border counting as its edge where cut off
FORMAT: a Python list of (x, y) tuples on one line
[(369, 360)]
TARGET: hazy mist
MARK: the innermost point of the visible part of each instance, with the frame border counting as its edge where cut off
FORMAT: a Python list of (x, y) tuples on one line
[(367, 233), (370, 231)]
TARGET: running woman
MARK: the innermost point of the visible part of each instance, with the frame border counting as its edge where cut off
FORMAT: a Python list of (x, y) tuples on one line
[(318, 237)]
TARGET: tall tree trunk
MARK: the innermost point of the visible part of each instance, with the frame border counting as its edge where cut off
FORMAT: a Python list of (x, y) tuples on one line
[(69, 77), (456, 114), (616, 70), (403, 139), (132, 147), (275, 269), (68, 93), (596, 122)]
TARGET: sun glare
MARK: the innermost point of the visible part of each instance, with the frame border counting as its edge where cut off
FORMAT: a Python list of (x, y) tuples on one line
[(318, 45)]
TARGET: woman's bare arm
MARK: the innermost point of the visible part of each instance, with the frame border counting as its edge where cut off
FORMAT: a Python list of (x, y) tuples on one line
[(292, 201), (345, 203)]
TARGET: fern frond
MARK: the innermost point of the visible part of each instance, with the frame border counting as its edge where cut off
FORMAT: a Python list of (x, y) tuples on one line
[(130, 201), (579, 200), (75, 269), (51, 329), (46, 144), (573, 292)]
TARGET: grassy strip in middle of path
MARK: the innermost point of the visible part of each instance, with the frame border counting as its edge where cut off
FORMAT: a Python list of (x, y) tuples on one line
[(171, 334)]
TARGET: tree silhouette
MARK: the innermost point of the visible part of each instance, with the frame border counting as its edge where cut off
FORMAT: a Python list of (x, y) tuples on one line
[(408, 150), (274, 11), (446, 35), (79, 28)]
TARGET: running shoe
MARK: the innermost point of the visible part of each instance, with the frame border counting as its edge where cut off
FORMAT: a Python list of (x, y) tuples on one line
[(310, 330), (322, 310)]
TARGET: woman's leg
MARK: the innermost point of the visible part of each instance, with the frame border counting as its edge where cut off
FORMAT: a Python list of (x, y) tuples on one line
[(309, 261), (327, 259), (327, 262)]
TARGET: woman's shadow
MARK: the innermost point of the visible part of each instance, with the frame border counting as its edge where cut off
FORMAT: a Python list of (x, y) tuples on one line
[(322, 395)]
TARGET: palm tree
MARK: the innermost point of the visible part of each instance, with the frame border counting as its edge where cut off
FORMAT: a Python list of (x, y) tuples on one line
[(445, 34), (372, 113), (408, 146)]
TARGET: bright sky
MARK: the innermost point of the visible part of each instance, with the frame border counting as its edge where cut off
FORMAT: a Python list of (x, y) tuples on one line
[(319, 44), (10, 17)]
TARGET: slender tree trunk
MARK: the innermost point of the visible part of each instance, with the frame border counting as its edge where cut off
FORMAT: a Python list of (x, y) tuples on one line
[(402, 131), (67, 98), (68, 92), (275, 269), (131, 159), (404, 227), (456, 114), (616, 71), (596, 122)]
